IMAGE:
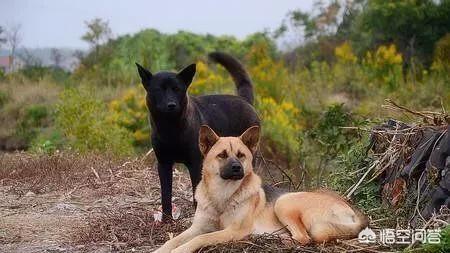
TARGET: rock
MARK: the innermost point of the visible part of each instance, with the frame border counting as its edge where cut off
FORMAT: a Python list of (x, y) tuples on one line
[(30, 194)]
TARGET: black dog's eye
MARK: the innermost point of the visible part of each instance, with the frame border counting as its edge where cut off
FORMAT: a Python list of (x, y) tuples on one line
[(240, 155), (223, 155)]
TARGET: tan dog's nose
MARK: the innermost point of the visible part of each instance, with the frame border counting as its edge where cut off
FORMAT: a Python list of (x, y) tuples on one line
[(232, 170)]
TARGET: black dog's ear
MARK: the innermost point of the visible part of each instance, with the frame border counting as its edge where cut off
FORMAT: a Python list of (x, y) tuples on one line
[(206, 139), (251, 138), (187, 74), (145, 75)]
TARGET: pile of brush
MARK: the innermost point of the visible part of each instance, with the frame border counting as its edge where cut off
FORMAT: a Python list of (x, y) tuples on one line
[(412, 163)]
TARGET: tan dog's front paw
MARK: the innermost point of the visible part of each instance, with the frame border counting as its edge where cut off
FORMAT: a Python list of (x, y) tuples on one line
[(303, 240), (182, 249), (162, 250)]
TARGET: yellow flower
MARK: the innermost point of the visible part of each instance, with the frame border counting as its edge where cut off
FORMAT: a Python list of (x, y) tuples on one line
[(344, 53), (140, 136)]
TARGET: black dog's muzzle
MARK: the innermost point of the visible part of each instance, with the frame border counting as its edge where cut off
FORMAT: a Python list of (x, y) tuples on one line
[(232, 170)]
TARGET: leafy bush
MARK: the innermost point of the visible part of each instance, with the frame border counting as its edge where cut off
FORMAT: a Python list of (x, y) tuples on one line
[(37, 73), (280, 126), (83, 121), (350, 166), (211, 80), (321, 144), (48, 142), (441, 59), (270, 76), (442, 247), (4, 97), (34, 118), (329, 134), (130, 112), (385, 65)]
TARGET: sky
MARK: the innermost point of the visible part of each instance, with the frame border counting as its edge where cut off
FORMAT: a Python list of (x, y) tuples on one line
[(60, 23)]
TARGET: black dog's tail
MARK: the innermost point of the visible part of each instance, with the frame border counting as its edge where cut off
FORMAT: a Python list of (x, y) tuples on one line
[(238, 73)]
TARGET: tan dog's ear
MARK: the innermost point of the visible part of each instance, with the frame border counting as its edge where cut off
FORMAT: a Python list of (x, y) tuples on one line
[(251, 138), (206, 139)]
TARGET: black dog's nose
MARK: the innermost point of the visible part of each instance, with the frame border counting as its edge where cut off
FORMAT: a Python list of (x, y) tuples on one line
[(171, 105)]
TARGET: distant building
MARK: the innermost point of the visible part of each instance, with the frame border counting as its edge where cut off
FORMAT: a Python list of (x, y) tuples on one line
[(5, 63), (9, 64)]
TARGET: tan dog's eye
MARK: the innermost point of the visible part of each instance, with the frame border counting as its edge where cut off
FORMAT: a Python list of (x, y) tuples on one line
[(223, 155), (240, 155)]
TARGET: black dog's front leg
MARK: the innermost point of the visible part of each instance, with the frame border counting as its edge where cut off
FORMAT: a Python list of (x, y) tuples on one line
[(195, 169), (165, 171)]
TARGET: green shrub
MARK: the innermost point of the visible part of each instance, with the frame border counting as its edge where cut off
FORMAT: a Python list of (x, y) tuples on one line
[(4, 98), (34, 117), (328, 132), (441, 61), (130, 112), (280, 126), (350, 167), (321, 144), (37, 73), (83, 121), (442, 247), (47, 141)]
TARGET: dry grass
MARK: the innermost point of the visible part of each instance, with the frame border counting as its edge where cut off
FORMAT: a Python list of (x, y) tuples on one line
[(62, 171)]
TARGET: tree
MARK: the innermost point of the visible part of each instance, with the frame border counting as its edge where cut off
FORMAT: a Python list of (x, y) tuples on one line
[(56, 57), (98, 32), (414, 26), (2, 38), (13, 38), (29, 59), (323, 22), (317, 33)]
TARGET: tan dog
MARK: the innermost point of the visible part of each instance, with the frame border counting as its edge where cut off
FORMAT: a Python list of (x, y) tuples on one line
[(232, 203)]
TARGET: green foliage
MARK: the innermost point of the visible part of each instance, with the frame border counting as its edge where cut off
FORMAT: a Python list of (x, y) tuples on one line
[(37, 73), (83, 121), (323, 144), (442, 247), (33, 118), (4, 98), (329, 134), (351, 164), (98, 32), (113, 62), (2, 74), (48, 142), (130, 112), (414, 26), (280, 127), (441, 58)]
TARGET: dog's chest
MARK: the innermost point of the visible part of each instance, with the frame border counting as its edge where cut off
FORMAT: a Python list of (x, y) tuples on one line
[(178, 149)]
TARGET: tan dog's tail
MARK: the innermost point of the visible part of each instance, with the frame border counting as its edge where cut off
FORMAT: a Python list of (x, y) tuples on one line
[(346, 229), (238, 73), (358, 217)]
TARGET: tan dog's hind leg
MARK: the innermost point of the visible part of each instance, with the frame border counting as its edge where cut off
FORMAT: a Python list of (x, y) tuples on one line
[(290, 217), (318, 216)]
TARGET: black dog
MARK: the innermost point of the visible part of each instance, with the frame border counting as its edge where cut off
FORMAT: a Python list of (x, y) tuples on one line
[(176, 118)]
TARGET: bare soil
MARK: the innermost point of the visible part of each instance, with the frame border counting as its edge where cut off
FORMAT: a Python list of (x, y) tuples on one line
[(71, 203)]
